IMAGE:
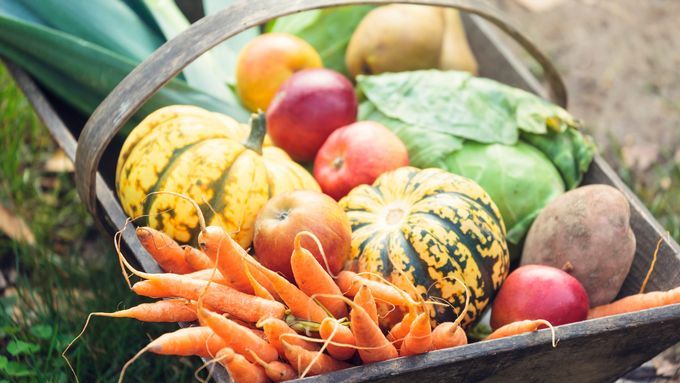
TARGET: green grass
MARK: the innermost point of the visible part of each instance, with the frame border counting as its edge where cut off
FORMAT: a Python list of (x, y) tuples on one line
[(70, 271)]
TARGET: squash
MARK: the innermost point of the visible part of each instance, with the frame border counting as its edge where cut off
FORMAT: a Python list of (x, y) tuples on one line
[(200, 154), (429, 226)]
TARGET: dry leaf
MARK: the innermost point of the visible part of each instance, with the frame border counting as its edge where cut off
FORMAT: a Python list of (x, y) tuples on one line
[(539, 5), (59, 163), (640, 156), (15, 227)]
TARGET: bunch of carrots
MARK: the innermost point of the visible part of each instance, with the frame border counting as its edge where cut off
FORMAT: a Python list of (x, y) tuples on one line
[(263, 328)]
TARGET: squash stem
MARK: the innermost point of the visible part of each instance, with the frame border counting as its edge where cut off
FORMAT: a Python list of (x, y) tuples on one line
[(258, 129)]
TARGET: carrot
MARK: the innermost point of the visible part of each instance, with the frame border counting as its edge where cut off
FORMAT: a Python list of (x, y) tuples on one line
[(636, 302), (399, 331), (167, 253), (311, 277), (197, 259), (364, 298), (258, 289), (239, 368), (448, 334), (205, 274), (199, 341), (275, 328), (227, 255), (237, 337), (299, 304), (419, 338), (170, 310), (311, 362), (521, 327), (349, 283), (374, 347), (276, 371), (330, 329), (222, 298)]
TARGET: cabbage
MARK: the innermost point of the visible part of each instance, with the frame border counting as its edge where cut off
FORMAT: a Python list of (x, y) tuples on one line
[(519, 178)]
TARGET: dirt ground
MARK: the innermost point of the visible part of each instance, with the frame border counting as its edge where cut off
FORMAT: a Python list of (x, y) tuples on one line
[(620, 60), (621, 63)]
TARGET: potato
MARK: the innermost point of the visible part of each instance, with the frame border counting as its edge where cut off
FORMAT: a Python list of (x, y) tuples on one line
[(585, 232)]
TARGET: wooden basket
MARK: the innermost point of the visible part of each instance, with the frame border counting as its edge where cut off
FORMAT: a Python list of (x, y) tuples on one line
[(591, 351)]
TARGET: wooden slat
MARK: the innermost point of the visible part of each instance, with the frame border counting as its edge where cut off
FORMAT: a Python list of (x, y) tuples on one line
[(591, 351)]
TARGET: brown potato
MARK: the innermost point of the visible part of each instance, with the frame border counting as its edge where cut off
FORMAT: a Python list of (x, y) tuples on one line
[(585, 232)]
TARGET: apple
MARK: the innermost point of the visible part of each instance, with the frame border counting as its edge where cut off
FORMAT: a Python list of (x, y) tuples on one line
[(268, 61), (289, 213), (540, 292), (357, 154), (308, 107)]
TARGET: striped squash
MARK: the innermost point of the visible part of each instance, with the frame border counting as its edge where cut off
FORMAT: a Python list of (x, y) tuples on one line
[(210, 158), (430, 226)]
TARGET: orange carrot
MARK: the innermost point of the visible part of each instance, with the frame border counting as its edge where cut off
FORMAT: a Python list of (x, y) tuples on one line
[(330, 329), (275, 328), (222, 298), (364, 298), (314, 363), (299, 304), (239, 368), (276, 371), (197, 259), (311, 277), (168, 310), (227, 254), (448, 334), (400, 330), (374, 347), (419, 338), (206, 274), (238, 337), (636, 302), (521, 327), (349, 283), (199, 341), (168, 254), (258, 289)]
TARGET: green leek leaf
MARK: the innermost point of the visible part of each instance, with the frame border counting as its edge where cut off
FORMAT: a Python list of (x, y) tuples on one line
[(83, 74)]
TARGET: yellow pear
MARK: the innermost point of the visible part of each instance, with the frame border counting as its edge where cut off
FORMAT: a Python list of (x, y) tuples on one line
[(404, 37)]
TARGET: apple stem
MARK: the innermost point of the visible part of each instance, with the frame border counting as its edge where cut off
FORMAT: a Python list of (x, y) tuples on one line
[(258, 129)]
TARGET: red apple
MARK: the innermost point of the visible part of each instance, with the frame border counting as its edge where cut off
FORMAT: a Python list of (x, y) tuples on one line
[(540, 292), (289, 213), (308, 107), (357, 154)]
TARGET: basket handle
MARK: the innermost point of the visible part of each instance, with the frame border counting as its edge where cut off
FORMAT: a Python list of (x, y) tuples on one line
[(168, 60)]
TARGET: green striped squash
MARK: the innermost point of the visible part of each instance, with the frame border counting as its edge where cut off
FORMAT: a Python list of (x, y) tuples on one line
[(230, 169), (430, 227)]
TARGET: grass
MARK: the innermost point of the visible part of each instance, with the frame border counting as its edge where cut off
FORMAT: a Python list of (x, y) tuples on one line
[(70, 271)]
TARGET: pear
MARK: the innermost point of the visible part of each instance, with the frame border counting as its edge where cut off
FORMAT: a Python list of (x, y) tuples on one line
[(405, 37)]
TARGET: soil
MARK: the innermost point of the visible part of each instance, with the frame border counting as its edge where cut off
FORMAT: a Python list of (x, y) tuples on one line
[(620, 60)]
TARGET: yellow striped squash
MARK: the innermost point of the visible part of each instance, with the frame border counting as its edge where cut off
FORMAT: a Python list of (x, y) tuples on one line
[(430, 226), (210, 158)]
